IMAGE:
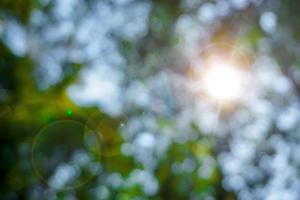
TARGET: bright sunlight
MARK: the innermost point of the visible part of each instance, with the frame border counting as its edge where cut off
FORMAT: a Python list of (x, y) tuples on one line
[(223, 82)]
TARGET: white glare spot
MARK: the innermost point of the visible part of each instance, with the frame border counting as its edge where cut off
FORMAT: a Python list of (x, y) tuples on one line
[(206, 13), (146, 140), (240, 4), (268, 21), (223, 82), (288, 119), (15, 38)]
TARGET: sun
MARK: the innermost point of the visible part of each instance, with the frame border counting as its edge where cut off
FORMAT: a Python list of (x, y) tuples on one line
[(223, 82)]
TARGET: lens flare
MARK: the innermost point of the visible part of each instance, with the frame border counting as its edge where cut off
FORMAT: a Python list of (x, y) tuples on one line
[(223, 82)]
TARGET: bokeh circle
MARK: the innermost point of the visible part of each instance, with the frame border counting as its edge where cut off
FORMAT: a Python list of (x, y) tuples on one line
[(65, 154)]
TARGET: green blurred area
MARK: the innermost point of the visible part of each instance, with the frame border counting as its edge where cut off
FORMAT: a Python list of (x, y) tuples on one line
[(26, 110)]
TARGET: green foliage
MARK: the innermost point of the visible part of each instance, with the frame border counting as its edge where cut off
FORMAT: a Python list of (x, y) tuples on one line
[(25, 111)]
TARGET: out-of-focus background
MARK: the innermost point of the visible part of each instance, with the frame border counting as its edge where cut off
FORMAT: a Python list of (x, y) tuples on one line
[(100, 99)]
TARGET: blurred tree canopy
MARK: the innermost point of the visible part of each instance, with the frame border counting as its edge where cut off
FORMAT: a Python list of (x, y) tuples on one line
[(61, 141)]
